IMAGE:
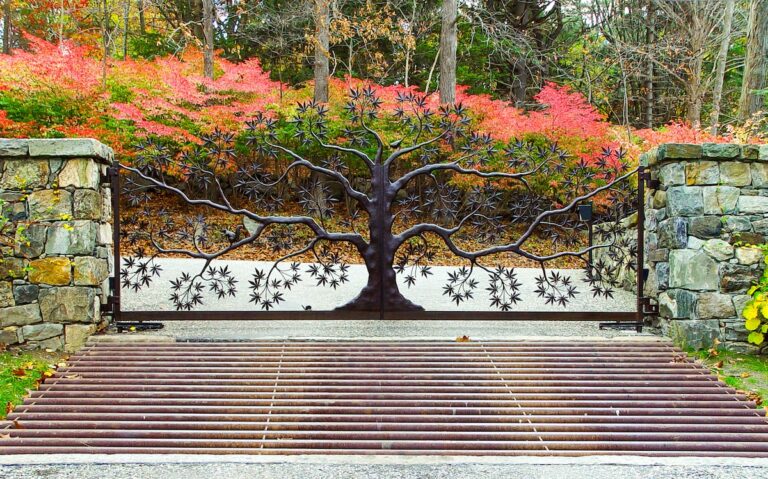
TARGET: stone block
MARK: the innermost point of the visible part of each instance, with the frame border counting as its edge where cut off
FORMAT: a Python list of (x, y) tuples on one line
[(739, 224), (673, 233), (72, 238), (53, 270), (20, 315), (70, 148), (739, 301), (736, 278), (662, 275), (749, 255), (11, 268), (6, 294), (87, 205), (735, 173), (13, 147), (679, 151), (753, 205), (39, 332), (759, 174), (720, 200), (8, 337), (104, 236), (73, 304), (24, 174), (763, 152), (661, 254), (676, 304), (30, 242), (80, 173), (685, 201), (53, 344), (702, 173), (25, 293), (672, 174), (47, 205), (696, 333), (747, 237), (718, 249), (705, 227), (750, 152), (76, 335), (659, 199), (714, 305), (693, 270), (721, 150), (90, 271)]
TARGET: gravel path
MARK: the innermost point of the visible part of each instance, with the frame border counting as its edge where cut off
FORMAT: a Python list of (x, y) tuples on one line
[(592, 468)]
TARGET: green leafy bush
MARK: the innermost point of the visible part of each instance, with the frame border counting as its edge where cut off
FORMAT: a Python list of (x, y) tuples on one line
[(755, 312)]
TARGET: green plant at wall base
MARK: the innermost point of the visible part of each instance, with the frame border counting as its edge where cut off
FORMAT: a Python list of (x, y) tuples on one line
[(755, 312)]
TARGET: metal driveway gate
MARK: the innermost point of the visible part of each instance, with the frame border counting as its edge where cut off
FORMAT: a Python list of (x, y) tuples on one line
[(396, 205)]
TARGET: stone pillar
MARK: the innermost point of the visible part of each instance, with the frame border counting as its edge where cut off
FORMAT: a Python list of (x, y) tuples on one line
[(55, 243), (711, 204)]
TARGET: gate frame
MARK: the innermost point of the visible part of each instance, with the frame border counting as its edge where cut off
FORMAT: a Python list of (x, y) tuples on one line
[(149, 319)]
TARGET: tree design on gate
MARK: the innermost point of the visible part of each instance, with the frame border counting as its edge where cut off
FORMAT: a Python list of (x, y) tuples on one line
[(436, 148)]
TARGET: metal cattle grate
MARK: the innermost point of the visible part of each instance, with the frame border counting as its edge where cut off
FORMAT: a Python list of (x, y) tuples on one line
[(472, 398)]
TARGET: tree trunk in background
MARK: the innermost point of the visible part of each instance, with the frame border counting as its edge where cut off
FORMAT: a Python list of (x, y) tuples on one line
[(756, 62), (650, 39), (208, 39), (7, 25), (142, 21), (722, 58), (695, 92), (126, 27), (104, 41), (322, 46), (448, 43)]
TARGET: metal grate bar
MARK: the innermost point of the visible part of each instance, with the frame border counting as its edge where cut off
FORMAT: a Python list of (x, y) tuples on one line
[(477, 398)]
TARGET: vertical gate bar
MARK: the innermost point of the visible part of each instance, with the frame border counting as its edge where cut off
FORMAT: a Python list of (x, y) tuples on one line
[(640, 242), (115, 186)]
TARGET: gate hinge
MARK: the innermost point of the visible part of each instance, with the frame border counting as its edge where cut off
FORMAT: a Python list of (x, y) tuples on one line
[(112, 172), (112, 305), (645, 176), (647, 307)]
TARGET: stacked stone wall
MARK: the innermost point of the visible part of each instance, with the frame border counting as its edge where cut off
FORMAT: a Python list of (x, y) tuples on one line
[(56, 246), (711, 205)]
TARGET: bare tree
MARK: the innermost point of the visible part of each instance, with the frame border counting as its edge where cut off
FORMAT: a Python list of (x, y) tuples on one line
[(722, 58), (448, 45), (322, 49), (208, 19), (7, 26), (756, 62)]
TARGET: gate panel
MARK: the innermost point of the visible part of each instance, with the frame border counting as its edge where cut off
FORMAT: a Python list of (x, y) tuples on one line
[(442, 222)]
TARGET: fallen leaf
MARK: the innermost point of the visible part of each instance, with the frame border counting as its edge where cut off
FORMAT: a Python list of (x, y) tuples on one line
[(17, 425), (73, 376), (463, 339), (8, 408), (20, 372), (744, 375), (719, 364), (5, 436)]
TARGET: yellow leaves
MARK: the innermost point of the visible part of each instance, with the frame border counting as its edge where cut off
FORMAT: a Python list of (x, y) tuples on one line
[(750, 312), (752, 324), (463, 339), (756, 338), (744, 375)]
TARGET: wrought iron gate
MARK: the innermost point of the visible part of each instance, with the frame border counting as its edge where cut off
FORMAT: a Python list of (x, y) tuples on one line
[(437, 148)]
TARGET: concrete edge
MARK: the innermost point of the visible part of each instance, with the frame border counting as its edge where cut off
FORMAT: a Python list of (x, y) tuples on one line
[(20, 148), (147, 338), (78, 459)]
